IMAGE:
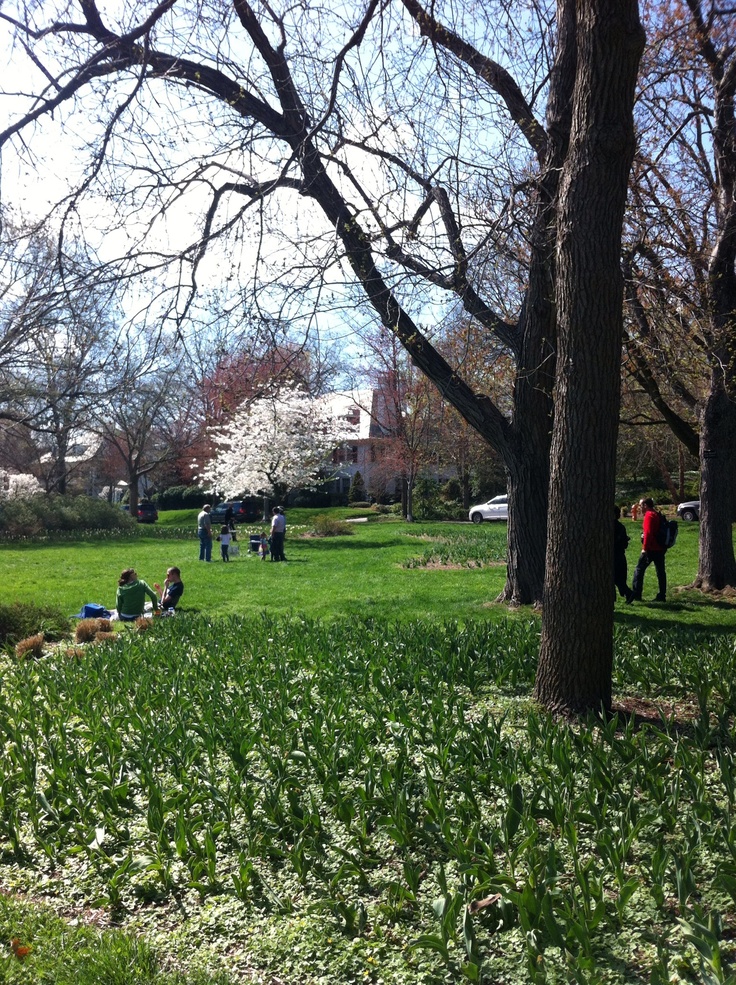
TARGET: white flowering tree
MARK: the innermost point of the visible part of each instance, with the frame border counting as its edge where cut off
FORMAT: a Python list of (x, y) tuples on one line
[(18, 485), (274, 444)]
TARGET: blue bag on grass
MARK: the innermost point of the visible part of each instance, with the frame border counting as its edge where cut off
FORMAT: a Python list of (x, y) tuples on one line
[(91, 610)]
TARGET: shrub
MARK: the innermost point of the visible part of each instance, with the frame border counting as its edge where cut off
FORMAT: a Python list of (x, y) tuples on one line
[(362, 506), (427, 505), (357, 489), (451, 491), (143, 624), (328, 526), (387, 509), (87, 629), (32, 646), (311, 499), (180, 498), (105, 636), (21, 619), (29, 517)]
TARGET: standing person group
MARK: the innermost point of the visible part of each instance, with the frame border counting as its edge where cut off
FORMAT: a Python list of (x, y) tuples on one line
[(278, 534), (652, 552)]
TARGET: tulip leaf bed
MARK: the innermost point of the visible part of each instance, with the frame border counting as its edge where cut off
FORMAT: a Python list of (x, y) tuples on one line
[(291, 801)]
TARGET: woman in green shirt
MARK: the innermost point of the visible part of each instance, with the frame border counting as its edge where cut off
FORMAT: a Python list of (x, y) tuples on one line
[(131, 598)]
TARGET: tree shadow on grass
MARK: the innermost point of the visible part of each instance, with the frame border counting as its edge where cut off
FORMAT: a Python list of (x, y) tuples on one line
[(649, 620)]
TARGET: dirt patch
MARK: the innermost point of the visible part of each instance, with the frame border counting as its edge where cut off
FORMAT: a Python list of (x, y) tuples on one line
[(682, 714)]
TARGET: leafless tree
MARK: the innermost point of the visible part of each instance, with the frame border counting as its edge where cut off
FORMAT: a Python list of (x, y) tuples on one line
[(372, 134), (680, 256)]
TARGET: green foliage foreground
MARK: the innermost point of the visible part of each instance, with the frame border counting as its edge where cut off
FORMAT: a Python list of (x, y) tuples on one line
[(375, 803)]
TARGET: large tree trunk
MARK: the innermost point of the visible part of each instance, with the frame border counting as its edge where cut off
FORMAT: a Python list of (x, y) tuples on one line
[(716, 565), (716, 562), (527, 465), (576, 652)]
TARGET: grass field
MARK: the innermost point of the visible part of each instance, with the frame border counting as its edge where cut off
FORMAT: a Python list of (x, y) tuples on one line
[(390, 570), (330, 771)]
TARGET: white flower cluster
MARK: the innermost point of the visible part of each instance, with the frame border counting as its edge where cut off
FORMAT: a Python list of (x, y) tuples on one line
[(18, 485), (276, 442)]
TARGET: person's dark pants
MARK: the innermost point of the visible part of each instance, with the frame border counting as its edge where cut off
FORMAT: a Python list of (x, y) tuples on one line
[(620, 575), (225, 551), (277, 546), (205, 545), (657, 559)]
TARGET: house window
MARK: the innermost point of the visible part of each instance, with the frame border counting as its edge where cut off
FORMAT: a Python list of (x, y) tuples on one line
[(354, 454)]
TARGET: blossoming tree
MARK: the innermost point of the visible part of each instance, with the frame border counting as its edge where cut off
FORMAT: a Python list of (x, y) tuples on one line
[(18, 485), (274, 444)]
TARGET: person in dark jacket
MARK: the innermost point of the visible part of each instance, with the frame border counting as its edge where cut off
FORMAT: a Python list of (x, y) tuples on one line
[(620, 567)]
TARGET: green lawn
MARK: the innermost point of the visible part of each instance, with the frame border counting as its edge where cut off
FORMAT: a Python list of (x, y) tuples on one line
[(375, 572), (357, 576), (330, 771)]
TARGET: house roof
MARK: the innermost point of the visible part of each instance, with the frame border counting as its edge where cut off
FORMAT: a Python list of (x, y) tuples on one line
[(352, 404)]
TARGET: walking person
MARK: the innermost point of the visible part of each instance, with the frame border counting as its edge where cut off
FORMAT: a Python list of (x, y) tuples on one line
[(652, 552), (620, 567), (225, 538), (204, 531), (278, 534)]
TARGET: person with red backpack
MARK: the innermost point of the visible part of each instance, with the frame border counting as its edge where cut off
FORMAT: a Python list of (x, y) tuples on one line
[(652, 552)]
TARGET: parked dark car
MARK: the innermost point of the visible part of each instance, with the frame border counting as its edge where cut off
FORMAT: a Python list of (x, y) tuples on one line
[(244, 511), (147, 512), (689, 511)]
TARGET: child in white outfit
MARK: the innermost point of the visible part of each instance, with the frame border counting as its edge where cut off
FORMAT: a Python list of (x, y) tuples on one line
[(225, 538)]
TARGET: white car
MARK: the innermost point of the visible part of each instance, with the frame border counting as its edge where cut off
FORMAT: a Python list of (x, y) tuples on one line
[(495, 509)]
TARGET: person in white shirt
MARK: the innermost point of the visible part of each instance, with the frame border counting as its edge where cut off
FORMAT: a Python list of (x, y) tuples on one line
[(278, 534), (226, 535), (204, 531)]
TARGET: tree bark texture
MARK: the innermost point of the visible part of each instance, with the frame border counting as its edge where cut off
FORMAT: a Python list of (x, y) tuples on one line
[(576, 653), (527, 463), (716, 563)]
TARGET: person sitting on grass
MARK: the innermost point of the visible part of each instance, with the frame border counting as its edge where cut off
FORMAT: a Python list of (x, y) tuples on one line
[(131, 597), (173, 589)]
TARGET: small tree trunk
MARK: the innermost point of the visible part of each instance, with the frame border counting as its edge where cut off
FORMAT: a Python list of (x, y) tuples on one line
[(527, 531), (409, 486)]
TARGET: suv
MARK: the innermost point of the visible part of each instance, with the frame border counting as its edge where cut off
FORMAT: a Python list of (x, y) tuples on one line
[(244, 511), (689, 511), (146, 512), (495, 509)]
